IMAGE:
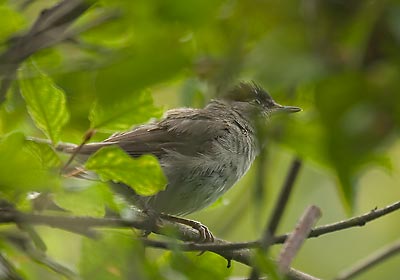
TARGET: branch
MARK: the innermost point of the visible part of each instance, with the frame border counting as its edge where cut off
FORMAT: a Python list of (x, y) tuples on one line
[(280, 205), (318, 231), (50, 28), (352, 222), (277, 213), (370, 261), (46, 31), (297, 237), (7, 270), (184, 233)]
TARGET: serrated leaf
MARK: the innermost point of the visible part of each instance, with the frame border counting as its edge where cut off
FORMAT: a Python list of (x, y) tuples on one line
[(143, 174), (124, 113), (45, 102)]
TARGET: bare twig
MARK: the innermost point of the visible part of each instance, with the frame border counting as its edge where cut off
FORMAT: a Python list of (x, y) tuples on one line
[(297, 237), (372, 260), (50, 28), (25, 244), (280, 205), (47, 30), (277, 213), (352, 222), (7, 270)]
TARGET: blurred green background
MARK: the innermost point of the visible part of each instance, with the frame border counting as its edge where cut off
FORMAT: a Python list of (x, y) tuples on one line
[(338, 60)]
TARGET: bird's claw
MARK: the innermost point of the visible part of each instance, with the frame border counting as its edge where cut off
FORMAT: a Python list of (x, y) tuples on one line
[(204, 232)]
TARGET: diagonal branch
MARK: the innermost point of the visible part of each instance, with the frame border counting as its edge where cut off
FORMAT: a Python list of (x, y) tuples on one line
[(297, 237), (280, 205), (372, 260), (352, 222), (277, 213)]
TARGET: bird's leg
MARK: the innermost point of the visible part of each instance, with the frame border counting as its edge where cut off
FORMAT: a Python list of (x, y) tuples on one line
[(205, 233)]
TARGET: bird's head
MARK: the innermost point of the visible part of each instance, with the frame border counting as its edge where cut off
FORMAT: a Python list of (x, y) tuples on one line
[(251, 97)]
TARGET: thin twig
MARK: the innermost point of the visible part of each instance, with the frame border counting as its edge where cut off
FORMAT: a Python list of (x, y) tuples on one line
[(277, 213), (352, 222), (372, 260), (297, 237), (7, 270), (50, 28), (280, 205)]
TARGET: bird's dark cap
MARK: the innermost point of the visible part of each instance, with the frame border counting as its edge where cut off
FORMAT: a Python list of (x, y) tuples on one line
[(252, 92)]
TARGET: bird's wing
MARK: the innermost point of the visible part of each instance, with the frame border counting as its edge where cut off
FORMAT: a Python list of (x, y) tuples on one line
[(187, 131)]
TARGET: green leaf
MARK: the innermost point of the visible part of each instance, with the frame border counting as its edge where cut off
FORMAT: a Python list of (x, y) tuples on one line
[(14, 21), (90, 201), (20, 170), (44, 153), (128, 259), (123, 113), (143, 174), (207, 266), (46, 103)]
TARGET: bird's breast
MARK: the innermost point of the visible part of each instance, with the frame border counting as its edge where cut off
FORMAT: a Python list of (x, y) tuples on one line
[(196, 181)]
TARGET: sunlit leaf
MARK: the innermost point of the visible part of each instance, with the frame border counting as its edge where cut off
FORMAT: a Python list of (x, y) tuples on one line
[(46, 103), (143, 174)]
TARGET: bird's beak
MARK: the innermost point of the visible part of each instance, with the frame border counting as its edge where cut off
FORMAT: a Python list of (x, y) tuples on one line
[(285, 109)]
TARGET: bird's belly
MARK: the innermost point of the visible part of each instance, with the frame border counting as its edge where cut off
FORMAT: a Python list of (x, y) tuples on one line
[(192, 187)]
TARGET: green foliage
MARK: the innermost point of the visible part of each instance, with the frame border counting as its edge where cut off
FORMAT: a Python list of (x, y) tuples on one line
[(143, 174), (20, 170), (87, 201), (194, 267), (124, 113), (45, 154), (115, 256), (46, 103), (14, 21), (338, 60)]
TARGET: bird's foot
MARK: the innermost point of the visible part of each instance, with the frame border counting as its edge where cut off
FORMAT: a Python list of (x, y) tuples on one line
[(204, 232)]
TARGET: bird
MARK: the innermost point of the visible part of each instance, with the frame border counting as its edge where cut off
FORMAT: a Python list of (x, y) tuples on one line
[(203, 152)]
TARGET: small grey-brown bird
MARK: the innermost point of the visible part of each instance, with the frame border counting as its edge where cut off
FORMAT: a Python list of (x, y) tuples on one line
[(203, 152)]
